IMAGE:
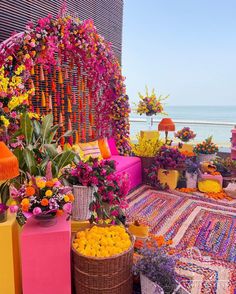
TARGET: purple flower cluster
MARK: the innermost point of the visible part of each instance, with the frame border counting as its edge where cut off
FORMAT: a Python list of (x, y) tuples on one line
[(170, 158), (192, 165), (3, 207), (158, 266)]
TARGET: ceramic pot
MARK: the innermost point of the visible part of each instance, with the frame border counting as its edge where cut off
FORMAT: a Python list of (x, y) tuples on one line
[(206, 157), (46, 219), (191, 180), (169, 177), (149, 287)]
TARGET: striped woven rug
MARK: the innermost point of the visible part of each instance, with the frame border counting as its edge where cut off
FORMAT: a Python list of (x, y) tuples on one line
[(203, 233)]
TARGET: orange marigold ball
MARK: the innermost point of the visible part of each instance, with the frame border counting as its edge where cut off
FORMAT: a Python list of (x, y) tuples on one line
[(44, 202), (29, 191)]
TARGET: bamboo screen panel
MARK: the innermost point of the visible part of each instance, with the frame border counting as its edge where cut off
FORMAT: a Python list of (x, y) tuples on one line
[(107, 16)]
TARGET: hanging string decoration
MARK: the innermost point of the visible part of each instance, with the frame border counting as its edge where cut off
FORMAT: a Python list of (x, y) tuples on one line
[(65, 67)]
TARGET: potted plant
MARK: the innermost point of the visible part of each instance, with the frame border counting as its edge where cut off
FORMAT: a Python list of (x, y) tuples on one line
[(150, 105), (146, 149), (156, 270), (35, 144), (42, 196), (99, 192), (206, 150), (191, 174), (226, 166), (168, 163)]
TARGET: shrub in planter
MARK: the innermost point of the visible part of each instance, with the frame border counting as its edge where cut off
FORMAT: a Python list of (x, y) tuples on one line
[(168, 162), (158, 268), (192, 171), (206, 150)]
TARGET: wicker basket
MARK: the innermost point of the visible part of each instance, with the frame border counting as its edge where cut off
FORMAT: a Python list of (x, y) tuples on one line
[(111, 275), (83, 197)]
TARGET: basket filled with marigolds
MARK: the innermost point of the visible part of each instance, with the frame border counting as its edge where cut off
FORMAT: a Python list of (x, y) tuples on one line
[(102, 260)]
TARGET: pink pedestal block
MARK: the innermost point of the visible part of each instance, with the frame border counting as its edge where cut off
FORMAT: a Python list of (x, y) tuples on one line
[(45, 253), (218, 178)]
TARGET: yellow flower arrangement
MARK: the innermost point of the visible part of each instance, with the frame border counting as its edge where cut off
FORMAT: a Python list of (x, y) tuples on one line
[(102, 242), (5, 121), (146, 147)]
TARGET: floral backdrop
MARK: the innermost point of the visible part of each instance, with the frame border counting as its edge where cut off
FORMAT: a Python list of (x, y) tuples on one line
[(64, 67)]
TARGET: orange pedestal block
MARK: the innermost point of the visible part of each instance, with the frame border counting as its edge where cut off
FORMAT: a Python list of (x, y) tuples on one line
[(10, 274)]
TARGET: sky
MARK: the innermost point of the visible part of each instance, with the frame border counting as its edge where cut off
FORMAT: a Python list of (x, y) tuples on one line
[(184, 48)]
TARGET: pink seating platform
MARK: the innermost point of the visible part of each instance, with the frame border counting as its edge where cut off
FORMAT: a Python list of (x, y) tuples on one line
[(45, 254), (132, 165)]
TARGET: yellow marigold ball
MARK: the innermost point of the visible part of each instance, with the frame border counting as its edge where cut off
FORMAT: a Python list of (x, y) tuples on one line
[(102, 242)]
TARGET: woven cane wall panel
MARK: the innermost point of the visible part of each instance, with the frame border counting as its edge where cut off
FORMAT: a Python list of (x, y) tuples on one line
[(107, 16)]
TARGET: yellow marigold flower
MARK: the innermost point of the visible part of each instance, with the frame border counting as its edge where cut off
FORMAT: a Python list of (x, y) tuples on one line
[(66, 198), (25, 201), (40, 183), (49, 193)]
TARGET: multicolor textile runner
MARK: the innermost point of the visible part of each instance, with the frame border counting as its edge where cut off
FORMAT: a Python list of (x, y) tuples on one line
[(203, 233)]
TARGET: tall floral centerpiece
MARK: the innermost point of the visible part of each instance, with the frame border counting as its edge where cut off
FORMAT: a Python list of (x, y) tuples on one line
[(206, 150), (150, 105)]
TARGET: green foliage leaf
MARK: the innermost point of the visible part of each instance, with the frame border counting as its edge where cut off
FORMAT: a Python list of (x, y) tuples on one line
[(26, 127), (37, 128), (19, 154), (64, 158), (51, 150), (4, 193), (30, 161), (47, 124)]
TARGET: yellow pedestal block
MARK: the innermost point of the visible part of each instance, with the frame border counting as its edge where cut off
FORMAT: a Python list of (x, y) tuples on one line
[(187, 147), (139, 231), (10, 273), (169, 177), (78, 225), (150, 134)]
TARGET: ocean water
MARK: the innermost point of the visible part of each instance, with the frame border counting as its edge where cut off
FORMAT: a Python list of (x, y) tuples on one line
[(203, 120)]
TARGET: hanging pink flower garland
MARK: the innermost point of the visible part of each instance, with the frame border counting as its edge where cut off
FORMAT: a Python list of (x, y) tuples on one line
[(53, 41)]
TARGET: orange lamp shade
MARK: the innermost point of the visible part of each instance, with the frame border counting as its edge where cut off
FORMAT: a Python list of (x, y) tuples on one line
[(166, 124), (9, 166)]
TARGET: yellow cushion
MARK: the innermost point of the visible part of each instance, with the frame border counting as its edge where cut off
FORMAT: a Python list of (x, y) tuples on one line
[(169, 177), (104, 148), (78, 151), (90, 149)]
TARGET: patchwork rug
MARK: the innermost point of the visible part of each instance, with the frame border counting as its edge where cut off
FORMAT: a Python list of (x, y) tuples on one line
[(203, 232)]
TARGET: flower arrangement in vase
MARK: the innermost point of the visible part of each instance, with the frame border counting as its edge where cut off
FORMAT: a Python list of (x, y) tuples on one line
[(150, 105), (185, 134), (157, 271), (43, 196), (206, 150), (192, 171), (166, 165), (109, 196)]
